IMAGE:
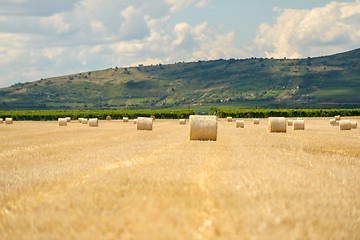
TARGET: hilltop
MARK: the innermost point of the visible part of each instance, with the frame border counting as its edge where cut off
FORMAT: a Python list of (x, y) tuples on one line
[(328, 81)]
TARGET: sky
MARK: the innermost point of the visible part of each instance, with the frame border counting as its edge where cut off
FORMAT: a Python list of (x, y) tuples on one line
[(41, 39)]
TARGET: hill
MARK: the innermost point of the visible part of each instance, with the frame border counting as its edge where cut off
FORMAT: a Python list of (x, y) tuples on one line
[(328, 81)]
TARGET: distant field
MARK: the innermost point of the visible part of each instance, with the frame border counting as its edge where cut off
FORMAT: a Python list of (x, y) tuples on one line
[(113, 182)]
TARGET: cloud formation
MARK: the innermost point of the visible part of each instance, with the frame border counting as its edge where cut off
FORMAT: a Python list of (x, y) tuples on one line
[(40, 39), (313, 32)]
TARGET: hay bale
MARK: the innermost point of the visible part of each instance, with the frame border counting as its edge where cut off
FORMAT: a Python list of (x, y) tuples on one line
[(144, 123), (153, 117), (182, 121), (8, 120), (68, 119), (135, 121), (353, 124), (299, 125), (290, 122), (277, 124), (108, 118), (203, 128), (229, 119), (84, 120), (239, 124), (345, 124), (125, 119), (80, 119), (332, 121), (1, 121), (256, 121), (93, 122), (337, 118), (62, 122)]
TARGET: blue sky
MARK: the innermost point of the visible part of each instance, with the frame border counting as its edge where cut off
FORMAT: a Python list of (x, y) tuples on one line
[(40, 39)]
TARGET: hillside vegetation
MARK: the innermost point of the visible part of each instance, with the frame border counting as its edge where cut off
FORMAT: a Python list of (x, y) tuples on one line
[(330, 81)]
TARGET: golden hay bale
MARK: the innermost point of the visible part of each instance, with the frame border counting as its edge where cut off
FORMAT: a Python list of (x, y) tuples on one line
[(203, 128), (256, 121), (299, 125), (229, 119), (345, 125), (353, 124), (239, 123), (135, 121), (62, 121), (125, 119), (93, 122), (182, 121), (299, 118), (84, 120), (80, 119), (8, 120), (68, 119), (290, 122), (108, 118), (144, 123), (1, 121), (277, 124), (332, 121), (337, 118)]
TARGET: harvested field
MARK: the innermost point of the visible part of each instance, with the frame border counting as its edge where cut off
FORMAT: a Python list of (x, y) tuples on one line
[(113, 182)]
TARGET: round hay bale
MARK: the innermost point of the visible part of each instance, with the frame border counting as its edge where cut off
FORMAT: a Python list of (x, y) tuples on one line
[(203, 128), (182, 121), (345, 124), (144, 123), (1, 121), (108, 118), (299, 125), (277, 124), (125, 119), (256, 121), (229, 119), (337, 117), (299, 118), (290, 122), (62, 122), (68, 119), (80, 119), (93, 122), (239, 124), (353, 124), (135, 121), (332, 121), (8, 120), (84, 120)]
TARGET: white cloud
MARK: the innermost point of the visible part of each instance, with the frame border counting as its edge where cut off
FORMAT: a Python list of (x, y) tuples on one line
[(319, 31)]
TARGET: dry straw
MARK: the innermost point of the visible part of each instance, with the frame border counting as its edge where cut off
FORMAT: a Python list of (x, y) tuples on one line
[(277, 124), (144, 123), (108, 118), (8, 121), (345, 125), (93, 122), (332, 121), (80, 119), (68, 119), (182, 121), (256, 121), (125, 119), (84, 120), (135, 121), (203, 128), (353, 124), (239, 124), (290, 122), (337, 118), (299, 125), (1, 121), (62, 122), (229, 119)]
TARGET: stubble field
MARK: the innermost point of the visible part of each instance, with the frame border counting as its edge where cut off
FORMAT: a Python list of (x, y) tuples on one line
[(113, 182)]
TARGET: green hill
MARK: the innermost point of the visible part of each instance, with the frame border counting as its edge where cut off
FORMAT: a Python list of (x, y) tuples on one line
[(329, 81)]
